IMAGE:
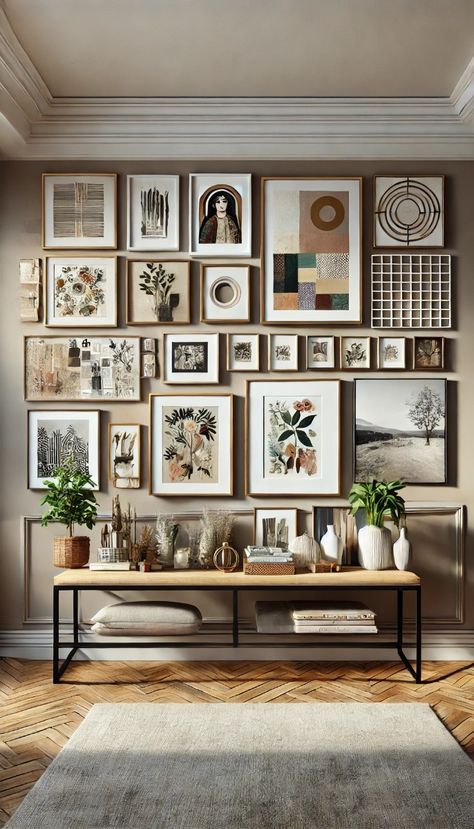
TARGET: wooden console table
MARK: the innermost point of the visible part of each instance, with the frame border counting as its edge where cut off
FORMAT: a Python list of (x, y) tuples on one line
[(350, 578)]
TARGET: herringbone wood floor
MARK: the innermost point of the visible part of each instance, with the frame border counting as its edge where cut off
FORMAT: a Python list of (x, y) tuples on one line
[(37, 718)]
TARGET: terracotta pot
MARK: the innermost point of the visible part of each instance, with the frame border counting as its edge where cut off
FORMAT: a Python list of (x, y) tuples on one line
[(72, 551)]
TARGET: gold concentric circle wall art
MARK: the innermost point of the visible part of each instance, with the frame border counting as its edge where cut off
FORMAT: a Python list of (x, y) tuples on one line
[(408, 211)]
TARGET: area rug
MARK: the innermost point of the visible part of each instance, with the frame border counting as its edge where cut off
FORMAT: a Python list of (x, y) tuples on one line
[(301, 766)]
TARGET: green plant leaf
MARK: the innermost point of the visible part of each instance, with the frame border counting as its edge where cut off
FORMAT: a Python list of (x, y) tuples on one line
[(307, 421), (304, 438), (295, 418), (288, 433)]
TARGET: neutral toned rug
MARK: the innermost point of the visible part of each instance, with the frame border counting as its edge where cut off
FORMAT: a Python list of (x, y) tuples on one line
[(138, 766)]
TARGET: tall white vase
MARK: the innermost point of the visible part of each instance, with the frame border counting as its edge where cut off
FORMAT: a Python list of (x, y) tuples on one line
[(331, 545), (375, 548), (402, 550)]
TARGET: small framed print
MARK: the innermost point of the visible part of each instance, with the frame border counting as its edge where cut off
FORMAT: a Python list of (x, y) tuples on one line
[(158, 292), (81, 291), (274, 527), (409, 211), (320, 352), (220, 214), (355, 353), (243, 352), (225, 293), (391, 353), (124, 455), (30, 289), (190, 358), (79, 210), (191, 444), (57, 436), (283, 352), (428, 353), (152, 212)]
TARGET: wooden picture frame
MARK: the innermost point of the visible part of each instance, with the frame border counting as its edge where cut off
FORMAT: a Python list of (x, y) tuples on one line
[(322, 359), (79, 210), (432, 358), (126, 455), (80, 284), (170, 302), (282, 351), (233, 279), (64, 433), (153, 212), (250, 359), (204, 191), (351, 348)]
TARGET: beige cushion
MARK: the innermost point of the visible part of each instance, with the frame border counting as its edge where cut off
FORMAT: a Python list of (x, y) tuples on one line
[(147, 618)]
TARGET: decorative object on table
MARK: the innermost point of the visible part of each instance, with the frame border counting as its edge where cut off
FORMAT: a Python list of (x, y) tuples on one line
[(320, 352), (166, 532), (243, 352), (182, 558), (322, 566), (191, 444), (81, 291), (82, 368), (391, 353), (378, 499), (158, 292), (226, 558), (268, 561), (152, 212), (428, 353), (30, 290), (355, 353), (149, 358), (402, 550), (345, 527), (225, 293), (311, 250), (124, 455), (305, 548), (118, 543), (190, 358), (400, 430), (283, 352), (144, 547), (147, 619), (220, 214), (274, 526), (408, 211), (216, 528), (79, 210), (55, 437), (332, 546), (411, 291), (70, 501), (292, 434)]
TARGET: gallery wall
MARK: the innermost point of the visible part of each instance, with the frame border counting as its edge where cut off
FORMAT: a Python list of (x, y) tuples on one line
[(20, 237)]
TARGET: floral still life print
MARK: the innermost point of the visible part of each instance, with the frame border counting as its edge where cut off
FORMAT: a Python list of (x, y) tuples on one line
[(292, 436), (79, 291), (190, 444)]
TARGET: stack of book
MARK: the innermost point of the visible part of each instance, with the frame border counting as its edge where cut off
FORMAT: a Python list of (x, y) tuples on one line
[(268, 561), (333, 617)]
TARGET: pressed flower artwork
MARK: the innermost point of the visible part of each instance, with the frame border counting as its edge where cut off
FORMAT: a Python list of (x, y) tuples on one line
[(191, 444), (81, 292), (157, 292), (293, 443)]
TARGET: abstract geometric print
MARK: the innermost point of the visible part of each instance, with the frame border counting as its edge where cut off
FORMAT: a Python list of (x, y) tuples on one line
[(409, 212)]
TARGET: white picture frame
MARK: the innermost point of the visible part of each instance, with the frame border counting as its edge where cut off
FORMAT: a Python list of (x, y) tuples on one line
[(79, 211), (190, 358), (391, 353), (282, 352), (320, 352), (243, 352), (268, 529), (355, 353), (153, 212), (55, 435), (203, 225), (80, 291), (225, 293)]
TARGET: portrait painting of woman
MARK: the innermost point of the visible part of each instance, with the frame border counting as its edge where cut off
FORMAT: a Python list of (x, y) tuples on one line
[(220, 224), (220, 214)]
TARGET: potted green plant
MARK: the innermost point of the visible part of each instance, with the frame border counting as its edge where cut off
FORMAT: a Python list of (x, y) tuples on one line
[(378, 499), (71, 501)]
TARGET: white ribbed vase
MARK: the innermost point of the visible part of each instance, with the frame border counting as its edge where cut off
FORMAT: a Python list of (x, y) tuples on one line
[(401, 551), (375, 548), (331, 545)]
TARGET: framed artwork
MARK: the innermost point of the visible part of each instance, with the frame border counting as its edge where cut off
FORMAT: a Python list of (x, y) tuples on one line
[(355, 353), (225, 293), (274, 527), (243, 352), (79, 210), (320, 352), (409, 211), (220, 214), (152, 212), (191, 451), (428, 353), (82, 368), (56, 436), (190, 358), (293, 437), (311, 250), (400, 430), (124, 455), (391, 353), (158, 291), (81, 291), (283, 352), (411, 290), (30, 289), (345, 526)]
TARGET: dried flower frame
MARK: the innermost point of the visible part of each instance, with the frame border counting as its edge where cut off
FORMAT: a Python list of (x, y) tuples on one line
[(124, 455), (391, 353), (79, 210), (158, 292), (80, 291), (243, 352)]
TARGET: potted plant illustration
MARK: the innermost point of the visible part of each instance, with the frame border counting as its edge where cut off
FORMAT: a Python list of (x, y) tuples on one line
[(378, 499), (157, 284), (70, 501)]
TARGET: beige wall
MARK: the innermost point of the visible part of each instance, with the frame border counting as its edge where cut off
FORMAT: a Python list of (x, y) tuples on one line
[(20, 227)]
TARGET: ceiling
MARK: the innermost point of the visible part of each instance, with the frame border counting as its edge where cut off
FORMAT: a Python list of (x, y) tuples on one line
[(137, 48)]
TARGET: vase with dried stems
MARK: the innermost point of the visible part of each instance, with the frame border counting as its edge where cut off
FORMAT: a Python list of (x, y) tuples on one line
[(216, 528)]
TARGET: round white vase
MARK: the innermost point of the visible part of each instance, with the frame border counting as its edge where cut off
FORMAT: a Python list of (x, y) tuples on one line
[(331, 545), (402, 550), (375, 548)]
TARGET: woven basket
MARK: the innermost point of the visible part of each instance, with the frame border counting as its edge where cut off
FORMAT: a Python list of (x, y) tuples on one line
[(260, 568), (71, 552)]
